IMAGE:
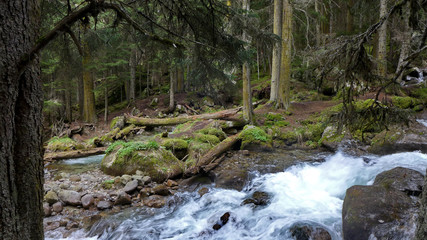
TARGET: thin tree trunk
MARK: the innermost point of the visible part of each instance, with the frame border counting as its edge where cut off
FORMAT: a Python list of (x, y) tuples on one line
[(382, 41), (406, 38), (318, 22), (105, 101), (148, 79), (180, 80), (132, 64), (89, 114), (285, 67), (350, 17), (172, 89), (80, 95), (21, 162), (275, 69), (246, 77)]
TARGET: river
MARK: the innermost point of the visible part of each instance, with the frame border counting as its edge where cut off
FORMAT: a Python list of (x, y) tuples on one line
[(307, 193)]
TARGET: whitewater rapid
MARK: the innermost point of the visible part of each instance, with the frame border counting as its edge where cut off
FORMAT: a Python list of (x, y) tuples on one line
[(309, 193)]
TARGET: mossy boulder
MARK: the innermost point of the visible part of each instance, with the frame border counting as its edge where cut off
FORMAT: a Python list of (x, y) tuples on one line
[(331, 138), (405, 102), (147, 157), (57, 144), (255, 138), (178, 147), (400, 139), (117, 122)]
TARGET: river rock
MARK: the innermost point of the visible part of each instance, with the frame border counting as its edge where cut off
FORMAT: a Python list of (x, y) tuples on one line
[(202, 191), (376, 212), (46, 209), (171, 183), (161, 190), (258, 199), (160, 164), (402, 179), (155, 201), (87, 201), (222, 221), (57, 207), (75, 178), (421, 232), (305, 232), (52, 226), (123, 199), (72, 198), (146, 180), (102, 205), (131, 186), (145, 192), (51, 197), (126, 178)]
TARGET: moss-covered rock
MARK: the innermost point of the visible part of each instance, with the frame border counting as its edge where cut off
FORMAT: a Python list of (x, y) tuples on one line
[(117, 122), (154, 161), (215, 132), (178, 147), (57, 144), (404, 102), (255, 138)]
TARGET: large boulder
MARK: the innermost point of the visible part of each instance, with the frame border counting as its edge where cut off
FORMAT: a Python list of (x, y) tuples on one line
[(51, 197), (385, 210), (421, 232), (126, 158)]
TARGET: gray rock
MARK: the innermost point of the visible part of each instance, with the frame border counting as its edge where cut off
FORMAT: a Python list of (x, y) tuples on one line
[(123, 199), (46, 209), (131, 186), (57, 207), (77, 188), (87, 201), (64, 186), (139, 173), (72, 198), (75, 178), (146, 179), (102, 205), (402, 179), (305, 232), (51, 197), (126, 178), (375, 211), (120, 122)]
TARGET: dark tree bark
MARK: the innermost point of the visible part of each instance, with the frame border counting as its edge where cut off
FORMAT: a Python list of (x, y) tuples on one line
[(21, 162)]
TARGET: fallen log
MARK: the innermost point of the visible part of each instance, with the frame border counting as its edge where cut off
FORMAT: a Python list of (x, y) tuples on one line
[(73, 154), (207, 162), (156, 122)]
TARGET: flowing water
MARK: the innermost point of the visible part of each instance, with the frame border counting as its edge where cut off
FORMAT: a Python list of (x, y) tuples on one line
[(307, 193)]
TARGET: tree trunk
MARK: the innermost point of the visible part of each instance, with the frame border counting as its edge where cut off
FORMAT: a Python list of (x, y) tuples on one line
[(406, 38), (172, 89), (89, 114), (106, 101), (275, 71), (21, 162), (246, 77), (180, 80), (318, 22), (382, 41), (350, 17), (132, 64), (285, 67), (80, 96)]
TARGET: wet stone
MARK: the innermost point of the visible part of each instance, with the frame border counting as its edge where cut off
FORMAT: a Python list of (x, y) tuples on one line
[(102, 205), (131, 186)]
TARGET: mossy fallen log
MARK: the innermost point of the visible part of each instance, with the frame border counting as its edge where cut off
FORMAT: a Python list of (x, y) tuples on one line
[(207, 162), (156, 122), (73, 154)]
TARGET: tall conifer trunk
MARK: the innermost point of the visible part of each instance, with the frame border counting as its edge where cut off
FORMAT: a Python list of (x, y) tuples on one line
[(275, 70), (382, 41), (285, 67), (246, 77), (89, 114), (21, 162)]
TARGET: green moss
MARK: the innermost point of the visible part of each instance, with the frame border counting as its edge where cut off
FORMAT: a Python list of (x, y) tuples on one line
[(184, 127), (404, 102), (125, 131), (252, 134), (175, 144), (274, 116), (206, 138), (114, 122), (214, 131), (63, 144), (108, 184)]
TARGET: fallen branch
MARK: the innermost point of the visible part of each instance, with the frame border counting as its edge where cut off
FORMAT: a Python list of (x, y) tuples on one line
[(207, 162), (73, 154)]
